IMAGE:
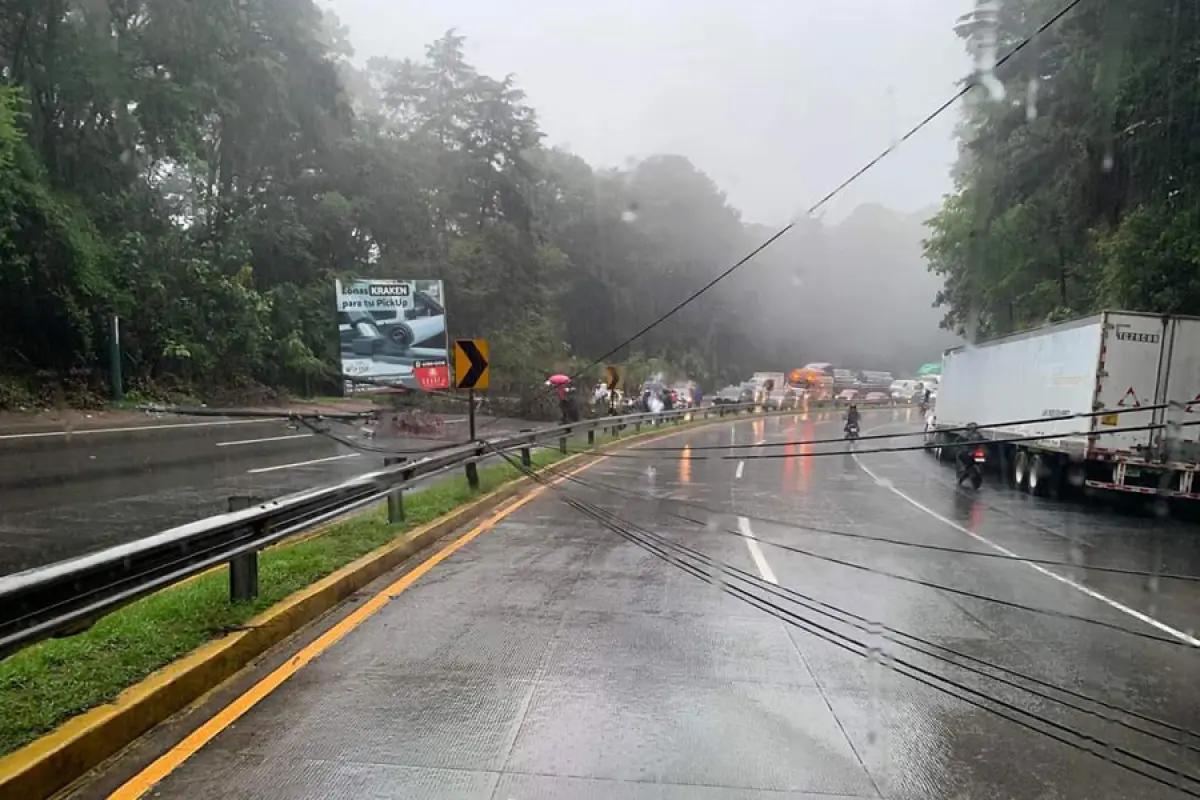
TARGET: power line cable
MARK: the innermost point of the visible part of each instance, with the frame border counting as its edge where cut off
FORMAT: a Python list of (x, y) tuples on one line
[(874, 436), (635, 495), (941, 109), (1045, 726), (937, 112), (964, 592), (898, 449), (864, 624)]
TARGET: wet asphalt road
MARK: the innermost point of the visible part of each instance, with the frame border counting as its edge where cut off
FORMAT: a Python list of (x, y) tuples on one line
[(554, 658), (63, 494)]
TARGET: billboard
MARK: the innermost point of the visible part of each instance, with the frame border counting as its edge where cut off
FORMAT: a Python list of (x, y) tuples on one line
[(394, 332)]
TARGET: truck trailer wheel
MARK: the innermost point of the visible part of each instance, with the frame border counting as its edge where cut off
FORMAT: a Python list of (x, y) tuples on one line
[(1041, 475), (944, 446), (1021, 471)]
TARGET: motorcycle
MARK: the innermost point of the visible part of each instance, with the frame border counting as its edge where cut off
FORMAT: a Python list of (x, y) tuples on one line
[(972, 468), (851, 431)]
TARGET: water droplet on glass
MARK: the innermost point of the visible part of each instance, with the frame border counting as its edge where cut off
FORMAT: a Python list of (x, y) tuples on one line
[(984, 36), (1031, 94)]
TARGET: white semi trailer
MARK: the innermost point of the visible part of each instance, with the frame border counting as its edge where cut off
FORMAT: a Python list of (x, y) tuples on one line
[(1143, 369)]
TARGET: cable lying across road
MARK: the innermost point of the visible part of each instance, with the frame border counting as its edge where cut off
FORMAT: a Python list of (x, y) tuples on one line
[(635, 495), (701, 523), (919, 582), (701, 566), (685, 455), (871, 436)]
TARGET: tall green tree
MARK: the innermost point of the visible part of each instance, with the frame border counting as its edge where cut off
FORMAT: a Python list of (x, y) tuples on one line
[(1078, 190)]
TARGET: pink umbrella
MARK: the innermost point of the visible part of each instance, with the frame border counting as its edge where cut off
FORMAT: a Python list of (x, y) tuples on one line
[(558, 380)]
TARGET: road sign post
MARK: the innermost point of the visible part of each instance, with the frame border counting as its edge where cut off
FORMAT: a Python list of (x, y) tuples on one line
[(471, 414), (471, 371)]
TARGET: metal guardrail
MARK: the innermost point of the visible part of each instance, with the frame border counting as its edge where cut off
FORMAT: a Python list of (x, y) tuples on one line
[(67, 597)]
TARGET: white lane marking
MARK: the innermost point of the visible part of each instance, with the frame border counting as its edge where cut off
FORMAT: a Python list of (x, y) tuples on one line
[(1119, 606), (756, 552), (301, 463), (128, 428), (267, 439), (741, 467)]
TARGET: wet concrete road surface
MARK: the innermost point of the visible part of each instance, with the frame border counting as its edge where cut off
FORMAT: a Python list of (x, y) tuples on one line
[(556, 657), (66, 493)]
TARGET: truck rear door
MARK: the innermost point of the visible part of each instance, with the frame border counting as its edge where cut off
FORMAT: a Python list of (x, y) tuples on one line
[(1132, 360), (1182, 384)]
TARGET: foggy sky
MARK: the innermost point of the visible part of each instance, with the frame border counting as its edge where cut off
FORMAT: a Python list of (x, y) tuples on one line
[(777, 100)]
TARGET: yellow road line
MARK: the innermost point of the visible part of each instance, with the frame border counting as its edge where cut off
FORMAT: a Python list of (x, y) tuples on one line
[(148, 778)]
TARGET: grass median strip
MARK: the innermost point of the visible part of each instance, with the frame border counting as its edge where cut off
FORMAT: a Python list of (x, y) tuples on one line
[(45, 685)]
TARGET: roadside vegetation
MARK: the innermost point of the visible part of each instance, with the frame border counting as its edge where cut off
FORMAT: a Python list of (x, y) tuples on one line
[(204, 172), (1081, 189)]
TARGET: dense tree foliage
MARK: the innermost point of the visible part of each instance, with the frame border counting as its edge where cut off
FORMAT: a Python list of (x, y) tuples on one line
[(1080, 188), (204, 171)]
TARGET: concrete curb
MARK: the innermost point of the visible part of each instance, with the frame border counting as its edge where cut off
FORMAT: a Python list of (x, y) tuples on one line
[(59, 758)]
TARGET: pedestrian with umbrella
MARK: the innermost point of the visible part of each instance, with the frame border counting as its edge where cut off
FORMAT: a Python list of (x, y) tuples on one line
[(562, 387)]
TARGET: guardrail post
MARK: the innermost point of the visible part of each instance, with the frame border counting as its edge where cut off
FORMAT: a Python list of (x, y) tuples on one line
[(395, 499), (592, 436), (472, 470), (562, 444), (243, 569), (527, 451)]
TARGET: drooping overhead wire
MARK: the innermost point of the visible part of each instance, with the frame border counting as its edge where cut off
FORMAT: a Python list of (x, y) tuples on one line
[(823, 201)]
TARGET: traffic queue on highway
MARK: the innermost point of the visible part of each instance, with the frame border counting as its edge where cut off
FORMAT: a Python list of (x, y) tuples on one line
[(820, 382)]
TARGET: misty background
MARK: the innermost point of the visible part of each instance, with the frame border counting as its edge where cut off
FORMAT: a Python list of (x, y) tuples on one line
[(778, 103), (571, 171)]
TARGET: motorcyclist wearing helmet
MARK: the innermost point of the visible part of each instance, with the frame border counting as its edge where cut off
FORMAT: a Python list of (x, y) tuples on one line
[(965, 453), (851, 416)]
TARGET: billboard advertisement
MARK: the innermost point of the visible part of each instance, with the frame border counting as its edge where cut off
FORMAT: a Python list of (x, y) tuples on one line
[(394, 332)]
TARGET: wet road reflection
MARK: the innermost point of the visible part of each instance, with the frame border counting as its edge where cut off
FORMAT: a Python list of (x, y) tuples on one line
[(665, 647)]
